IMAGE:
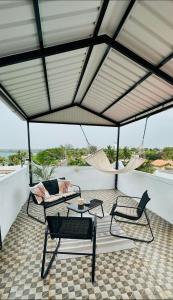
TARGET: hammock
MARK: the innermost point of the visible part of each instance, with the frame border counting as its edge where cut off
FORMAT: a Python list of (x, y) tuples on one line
[(100, 161)]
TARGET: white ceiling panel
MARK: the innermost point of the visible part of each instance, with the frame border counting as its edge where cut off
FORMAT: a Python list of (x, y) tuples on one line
[(119, 73), (62, 88), (148, 94), (17, 27), (149, 29), (74, 115), (168, 67), (63, 21), (18, 83)]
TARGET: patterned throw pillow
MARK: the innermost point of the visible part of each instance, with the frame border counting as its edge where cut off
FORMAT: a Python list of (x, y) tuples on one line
[(40, 192), (64, 186)]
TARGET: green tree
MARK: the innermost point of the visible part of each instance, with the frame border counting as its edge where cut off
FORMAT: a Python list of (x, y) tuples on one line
[(3, 161), (146, 167), (13, 160), (152, 154), (22, 156), (167, 153), (77, 162), (111, 153), (126, 153), (50, 156), (92, 149)]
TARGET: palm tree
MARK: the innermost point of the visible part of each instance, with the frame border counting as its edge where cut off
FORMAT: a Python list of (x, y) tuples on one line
[(111, 153)]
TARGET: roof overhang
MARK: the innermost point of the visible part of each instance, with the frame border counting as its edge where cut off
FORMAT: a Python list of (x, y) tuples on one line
[(111, 73)]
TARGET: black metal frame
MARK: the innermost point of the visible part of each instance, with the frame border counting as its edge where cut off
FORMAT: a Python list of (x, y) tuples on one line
[(117, 157), (96, 30), (44, 272), (117, 31), (29, 153), (113, 214), (43, 52), (31, 119), (0, 239), (40, 37)]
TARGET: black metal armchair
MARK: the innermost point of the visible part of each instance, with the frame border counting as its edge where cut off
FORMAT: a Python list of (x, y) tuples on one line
[(69, 228), (132, 213)]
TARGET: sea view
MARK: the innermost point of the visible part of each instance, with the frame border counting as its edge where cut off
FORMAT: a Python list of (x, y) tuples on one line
[(6, 153)]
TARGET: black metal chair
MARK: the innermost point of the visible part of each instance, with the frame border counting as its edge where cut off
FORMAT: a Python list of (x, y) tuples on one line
[(131, 213), (69, 228)]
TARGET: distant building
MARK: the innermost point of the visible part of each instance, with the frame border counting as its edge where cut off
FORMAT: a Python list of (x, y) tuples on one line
[(162, 164)]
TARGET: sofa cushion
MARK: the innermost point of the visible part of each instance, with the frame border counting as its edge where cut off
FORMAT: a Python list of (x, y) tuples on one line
[(40, 192), (64, 186), (51, 186), (59, 196)]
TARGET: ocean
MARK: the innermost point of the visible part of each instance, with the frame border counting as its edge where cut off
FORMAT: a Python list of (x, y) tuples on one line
[(6, 153)]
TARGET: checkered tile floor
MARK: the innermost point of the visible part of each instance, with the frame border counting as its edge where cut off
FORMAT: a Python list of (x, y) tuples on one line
[(144, 272)]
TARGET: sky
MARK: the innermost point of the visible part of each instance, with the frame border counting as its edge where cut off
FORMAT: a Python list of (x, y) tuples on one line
[(13, 133)]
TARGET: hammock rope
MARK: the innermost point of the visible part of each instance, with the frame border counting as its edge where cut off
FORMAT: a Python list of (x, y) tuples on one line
[(100, 161)]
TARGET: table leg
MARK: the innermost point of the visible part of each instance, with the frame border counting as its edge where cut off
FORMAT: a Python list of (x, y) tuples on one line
[(67, 212)]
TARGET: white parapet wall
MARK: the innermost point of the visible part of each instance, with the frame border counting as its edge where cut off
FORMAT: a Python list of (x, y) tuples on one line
[(159, 189), (87, 178), (14, 189)]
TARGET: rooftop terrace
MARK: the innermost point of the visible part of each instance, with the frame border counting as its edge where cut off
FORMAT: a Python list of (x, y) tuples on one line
[(143, 272)]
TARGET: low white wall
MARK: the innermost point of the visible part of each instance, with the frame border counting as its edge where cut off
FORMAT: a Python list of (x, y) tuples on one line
[(87, 178), (159, 189), (14, 190)]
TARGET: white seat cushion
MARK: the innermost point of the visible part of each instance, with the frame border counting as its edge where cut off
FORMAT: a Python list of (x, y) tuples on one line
[(58, 196), (127, 211)]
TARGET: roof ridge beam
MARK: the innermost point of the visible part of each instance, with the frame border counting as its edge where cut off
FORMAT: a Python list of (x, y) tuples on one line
[(117, 31), (97, 114), (40, 37), (96, 30), (52, 50)]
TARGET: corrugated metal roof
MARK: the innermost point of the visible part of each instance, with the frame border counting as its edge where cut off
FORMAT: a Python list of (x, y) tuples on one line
[(74, 115), (38, 77)]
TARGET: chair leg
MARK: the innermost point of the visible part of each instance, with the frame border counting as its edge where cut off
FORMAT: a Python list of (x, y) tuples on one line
[(131, 238), (31, 216), (97, 215), (94, 254), (0, 239), (44, 272), (44, 253)]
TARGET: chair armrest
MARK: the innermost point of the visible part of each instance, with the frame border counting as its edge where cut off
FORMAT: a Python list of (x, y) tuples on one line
[(79, 189), (115, 206), (127, 206), (126, 197)]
